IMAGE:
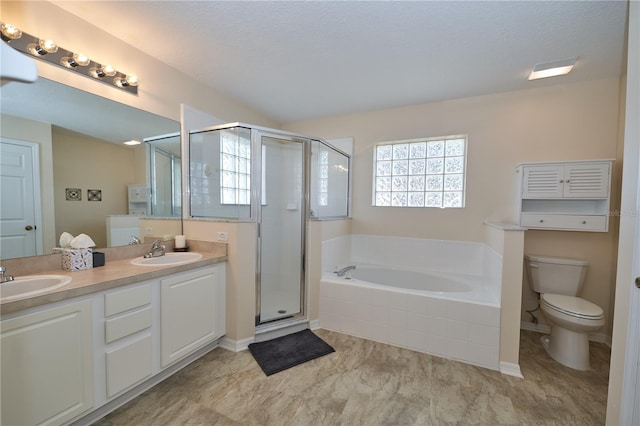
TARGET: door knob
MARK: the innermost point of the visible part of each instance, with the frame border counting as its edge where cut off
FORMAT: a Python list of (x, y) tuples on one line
[(28, 227), (638, 282)]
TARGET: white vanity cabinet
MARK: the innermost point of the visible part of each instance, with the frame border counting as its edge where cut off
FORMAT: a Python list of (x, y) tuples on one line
[(192, 311), (128, 337), (47, 368), (568, 196), (76, 360)]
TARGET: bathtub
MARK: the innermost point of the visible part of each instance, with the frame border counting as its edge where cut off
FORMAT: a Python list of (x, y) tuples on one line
[(444, 307)]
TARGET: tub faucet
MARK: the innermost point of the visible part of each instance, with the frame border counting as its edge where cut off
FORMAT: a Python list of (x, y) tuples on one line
[(3, 277), (157, 249), (341, 272)]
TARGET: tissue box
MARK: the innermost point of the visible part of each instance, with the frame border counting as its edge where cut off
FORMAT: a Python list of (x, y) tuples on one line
[(77, 259)]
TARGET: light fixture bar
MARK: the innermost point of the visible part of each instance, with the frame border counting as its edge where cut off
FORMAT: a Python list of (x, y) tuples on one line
[(552, 69), (48, 51)]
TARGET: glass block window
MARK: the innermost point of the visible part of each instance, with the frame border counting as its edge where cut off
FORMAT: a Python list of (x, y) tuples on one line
[(323, 179), (235, 169), (420, 173)]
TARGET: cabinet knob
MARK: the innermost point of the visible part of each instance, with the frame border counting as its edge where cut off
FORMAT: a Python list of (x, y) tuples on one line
[(584, 222), (541, 220), (561, 181), (568, 181)]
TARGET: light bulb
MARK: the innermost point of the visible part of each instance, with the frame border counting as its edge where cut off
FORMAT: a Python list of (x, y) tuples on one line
[(48, 45), (68, 62), (129, 80), (10, 31), (96, 72), (81, 59), (132, 80), (109, 70)]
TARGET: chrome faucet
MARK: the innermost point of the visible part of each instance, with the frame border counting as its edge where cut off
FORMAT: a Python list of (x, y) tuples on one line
[(134, 240), (157, 249), (341, 272), (4, 278)]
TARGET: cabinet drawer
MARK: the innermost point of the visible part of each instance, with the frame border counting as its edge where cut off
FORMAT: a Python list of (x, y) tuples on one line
[(123, 300), (128, 365), (117, 328), (564, 222)]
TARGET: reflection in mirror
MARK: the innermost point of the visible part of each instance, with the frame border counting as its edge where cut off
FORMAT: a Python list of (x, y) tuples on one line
[(81, 173), (165, 175)]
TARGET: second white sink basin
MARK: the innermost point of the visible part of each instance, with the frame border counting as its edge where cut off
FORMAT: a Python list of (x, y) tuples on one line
[(169, 259), (31, 285)]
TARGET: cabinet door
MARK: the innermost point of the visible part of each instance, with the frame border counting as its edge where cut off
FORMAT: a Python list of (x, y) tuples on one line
[(128, 365), (587, 180), (188, 313), (47, 365), (542, 181)]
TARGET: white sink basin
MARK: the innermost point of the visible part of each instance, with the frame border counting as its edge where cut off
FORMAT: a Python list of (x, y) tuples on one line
[(169, 259), (31, 285)]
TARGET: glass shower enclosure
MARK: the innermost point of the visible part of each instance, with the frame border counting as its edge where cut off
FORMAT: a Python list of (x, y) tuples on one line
[(243, 173)]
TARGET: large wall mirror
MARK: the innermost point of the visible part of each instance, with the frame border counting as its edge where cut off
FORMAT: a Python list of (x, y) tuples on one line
[(87, 180)]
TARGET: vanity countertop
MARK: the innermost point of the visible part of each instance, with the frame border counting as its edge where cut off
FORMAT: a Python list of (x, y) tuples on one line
[(114, 274)]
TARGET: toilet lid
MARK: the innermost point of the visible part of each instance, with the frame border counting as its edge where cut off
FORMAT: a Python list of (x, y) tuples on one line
[(573, 306)]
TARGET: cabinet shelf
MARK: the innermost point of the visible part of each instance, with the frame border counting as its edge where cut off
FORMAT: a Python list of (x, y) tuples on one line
[(568, 196)]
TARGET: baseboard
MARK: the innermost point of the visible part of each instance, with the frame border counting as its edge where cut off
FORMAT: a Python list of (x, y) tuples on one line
[(545, 329), (511, 369), (538, 328), (314, 325), (236, 345)]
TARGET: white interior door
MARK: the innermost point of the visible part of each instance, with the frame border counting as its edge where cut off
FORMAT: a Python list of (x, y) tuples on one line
[(19, 200)]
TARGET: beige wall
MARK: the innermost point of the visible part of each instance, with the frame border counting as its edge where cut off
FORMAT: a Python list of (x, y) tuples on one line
[(83, 162), (240, 273), (40, 133), (566, 122), (153, 229)]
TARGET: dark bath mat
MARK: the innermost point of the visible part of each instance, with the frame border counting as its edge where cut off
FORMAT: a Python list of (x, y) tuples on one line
[(288, 351)]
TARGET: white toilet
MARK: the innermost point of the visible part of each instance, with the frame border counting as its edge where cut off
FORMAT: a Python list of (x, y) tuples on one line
[(559, 281)]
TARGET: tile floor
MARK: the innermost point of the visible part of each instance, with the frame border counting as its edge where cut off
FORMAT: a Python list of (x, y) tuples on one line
[(369, 383)]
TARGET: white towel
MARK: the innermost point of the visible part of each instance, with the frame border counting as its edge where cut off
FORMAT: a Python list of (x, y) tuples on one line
[(65, 240), (82, 241)]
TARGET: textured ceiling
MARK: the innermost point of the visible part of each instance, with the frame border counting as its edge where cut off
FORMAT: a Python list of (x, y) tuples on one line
[(302, 60)]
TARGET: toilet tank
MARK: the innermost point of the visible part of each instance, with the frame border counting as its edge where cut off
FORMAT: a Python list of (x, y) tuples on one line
[(558, 275)]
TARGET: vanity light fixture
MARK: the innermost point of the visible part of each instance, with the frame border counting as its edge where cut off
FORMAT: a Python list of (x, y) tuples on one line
[(48, 51), (552, 69)]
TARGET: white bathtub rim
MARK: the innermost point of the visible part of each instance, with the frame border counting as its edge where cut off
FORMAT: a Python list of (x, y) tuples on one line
[(472, 280), (481, 295)]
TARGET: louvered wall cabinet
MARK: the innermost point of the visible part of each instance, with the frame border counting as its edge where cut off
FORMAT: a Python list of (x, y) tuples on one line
[(564, 196)]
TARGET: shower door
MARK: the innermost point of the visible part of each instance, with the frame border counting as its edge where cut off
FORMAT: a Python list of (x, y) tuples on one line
[(281, 213)]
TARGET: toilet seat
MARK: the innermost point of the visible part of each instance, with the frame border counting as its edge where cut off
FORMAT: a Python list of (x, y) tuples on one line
[(572, 306)]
